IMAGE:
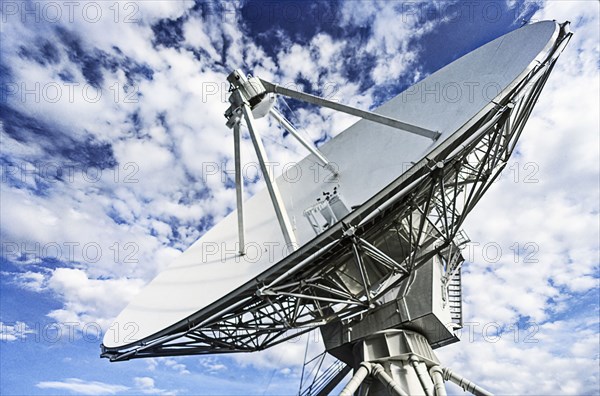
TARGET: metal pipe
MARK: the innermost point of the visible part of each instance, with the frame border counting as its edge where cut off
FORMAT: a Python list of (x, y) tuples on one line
[(422, 374), (290, 128), (381, 256), (267, 292), (477, 134), (300, 265), (361, 269), (280, 211), (392, 386), (464, 383), (359, 376), (367, 115), (438, 380), (381, 208), (239, 186)]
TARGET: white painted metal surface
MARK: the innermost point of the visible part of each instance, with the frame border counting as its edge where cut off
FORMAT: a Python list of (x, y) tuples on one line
[(368, 156)]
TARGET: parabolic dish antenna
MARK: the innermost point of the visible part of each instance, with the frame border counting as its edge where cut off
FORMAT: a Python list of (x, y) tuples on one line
[(365, 236)]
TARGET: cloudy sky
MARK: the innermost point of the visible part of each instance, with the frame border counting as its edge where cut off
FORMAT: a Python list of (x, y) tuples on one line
[(111, 111)]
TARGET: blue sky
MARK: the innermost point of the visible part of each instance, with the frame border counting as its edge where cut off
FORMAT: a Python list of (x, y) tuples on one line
[(110, 112)]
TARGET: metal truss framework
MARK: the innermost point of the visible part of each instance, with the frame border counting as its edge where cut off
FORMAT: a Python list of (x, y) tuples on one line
[(372, 254)]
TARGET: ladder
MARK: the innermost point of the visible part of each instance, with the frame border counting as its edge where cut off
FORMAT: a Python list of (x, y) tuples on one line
[(455, 298)]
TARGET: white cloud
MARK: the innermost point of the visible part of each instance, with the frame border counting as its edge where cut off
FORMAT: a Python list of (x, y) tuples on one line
[(212, 364), (174, 364), (297, 62), (34, 281), (150, 11), (563, 365), (146, 386), (285, 371), (196, 36), (81, 387), (14, 332), (90, 300), (392, 32), (141, 385)]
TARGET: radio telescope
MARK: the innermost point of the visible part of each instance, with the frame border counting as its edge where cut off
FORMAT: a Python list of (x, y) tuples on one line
[(370, 251)]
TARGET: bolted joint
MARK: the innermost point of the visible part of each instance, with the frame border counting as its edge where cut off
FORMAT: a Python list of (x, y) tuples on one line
[(350, 232), (234, 113)]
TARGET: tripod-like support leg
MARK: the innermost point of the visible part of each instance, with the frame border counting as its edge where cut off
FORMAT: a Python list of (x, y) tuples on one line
[(377, 371), (310, 147), (401, 363), (239, 186), (280, 212)]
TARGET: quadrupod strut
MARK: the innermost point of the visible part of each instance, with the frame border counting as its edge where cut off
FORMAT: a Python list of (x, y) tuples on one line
[(251, 98)]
